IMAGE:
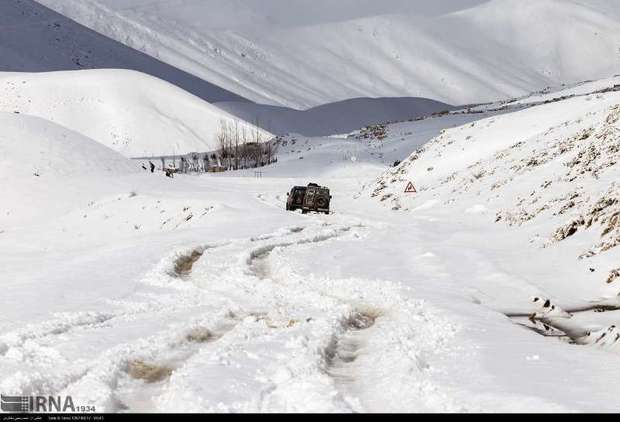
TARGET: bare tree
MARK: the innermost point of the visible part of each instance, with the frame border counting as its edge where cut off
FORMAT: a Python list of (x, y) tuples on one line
[(271, 149), (221, 138), (258, 147), (230, 141), (244, 146), (236, 144)]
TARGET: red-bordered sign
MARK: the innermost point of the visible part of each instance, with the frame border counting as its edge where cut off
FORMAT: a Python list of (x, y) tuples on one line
[(410, 188)]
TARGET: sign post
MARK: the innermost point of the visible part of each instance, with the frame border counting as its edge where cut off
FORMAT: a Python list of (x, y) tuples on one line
[(410, 188)]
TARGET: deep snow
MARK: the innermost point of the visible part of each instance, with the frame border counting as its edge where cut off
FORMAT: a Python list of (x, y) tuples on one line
[(136, 292), (131, 112)]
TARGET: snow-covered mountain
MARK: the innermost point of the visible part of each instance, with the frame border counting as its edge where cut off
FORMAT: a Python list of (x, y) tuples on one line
[(38, 39), (130, 112), (307, 54), (334, 118)]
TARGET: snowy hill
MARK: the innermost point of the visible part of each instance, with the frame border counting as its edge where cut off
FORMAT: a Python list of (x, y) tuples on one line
[(46, 169), (302, 56), (37, 39), (334, 118), (548, 184), (130, 112)]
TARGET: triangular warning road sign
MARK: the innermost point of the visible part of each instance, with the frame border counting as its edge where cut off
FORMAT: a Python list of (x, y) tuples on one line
[(410, 188)]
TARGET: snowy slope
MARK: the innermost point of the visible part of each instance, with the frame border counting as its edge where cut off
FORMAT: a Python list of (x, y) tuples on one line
[(302, 56), (549, 184), (45, 167), (130, 112), (37, 39), (334, 118)]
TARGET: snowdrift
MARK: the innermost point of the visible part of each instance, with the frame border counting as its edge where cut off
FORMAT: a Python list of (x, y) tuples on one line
[(130, 112), (304, 55), (46, 169)]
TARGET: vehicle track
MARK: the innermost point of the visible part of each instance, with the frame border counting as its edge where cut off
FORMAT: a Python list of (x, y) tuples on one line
[(237, 301), (258, 258), (354, 340)]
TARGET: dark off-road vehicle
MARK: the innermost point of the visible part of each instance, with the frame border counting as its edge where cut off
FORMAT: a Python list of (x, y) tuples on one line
[(309, 198)]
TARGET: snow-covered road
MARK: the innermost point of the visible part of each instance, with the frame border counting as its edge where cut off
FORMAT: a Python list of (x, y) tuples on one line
[(135, 292), (347, 312), (230, 323)]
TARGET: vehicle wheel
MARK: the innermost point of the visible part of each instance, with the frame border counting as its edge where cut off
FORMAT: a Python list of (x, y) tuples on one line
[(304, 211)]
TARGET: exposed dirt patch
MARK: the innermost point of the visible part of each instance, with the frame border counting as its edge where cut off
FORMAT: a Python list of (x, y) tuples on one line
[(613, 276), (201, 335), (149, 373), (362, 320), (184, 264), (344, 350), (274, 324)]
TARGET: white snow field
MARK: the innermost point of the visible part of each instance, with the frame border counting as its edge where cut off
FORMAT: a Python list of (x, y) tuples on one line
[(307, 54), (44, 167), (136, 292), (133, 113)]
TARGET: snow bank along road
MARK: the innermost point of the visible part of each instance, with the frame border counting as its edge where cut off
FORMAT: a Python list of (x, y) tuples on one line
[(143, 293)]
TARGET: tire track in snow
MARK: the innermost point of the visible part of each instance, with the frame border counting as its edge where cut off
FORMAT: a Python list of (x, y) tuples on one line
[(347, 338), (375, 323), (343, 351), (177, 265), (239, 266), (150, 374), (142, 380), (332, 316), (331, 326), (257, 261), (136, 378), (35, 347), (345, 345)]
